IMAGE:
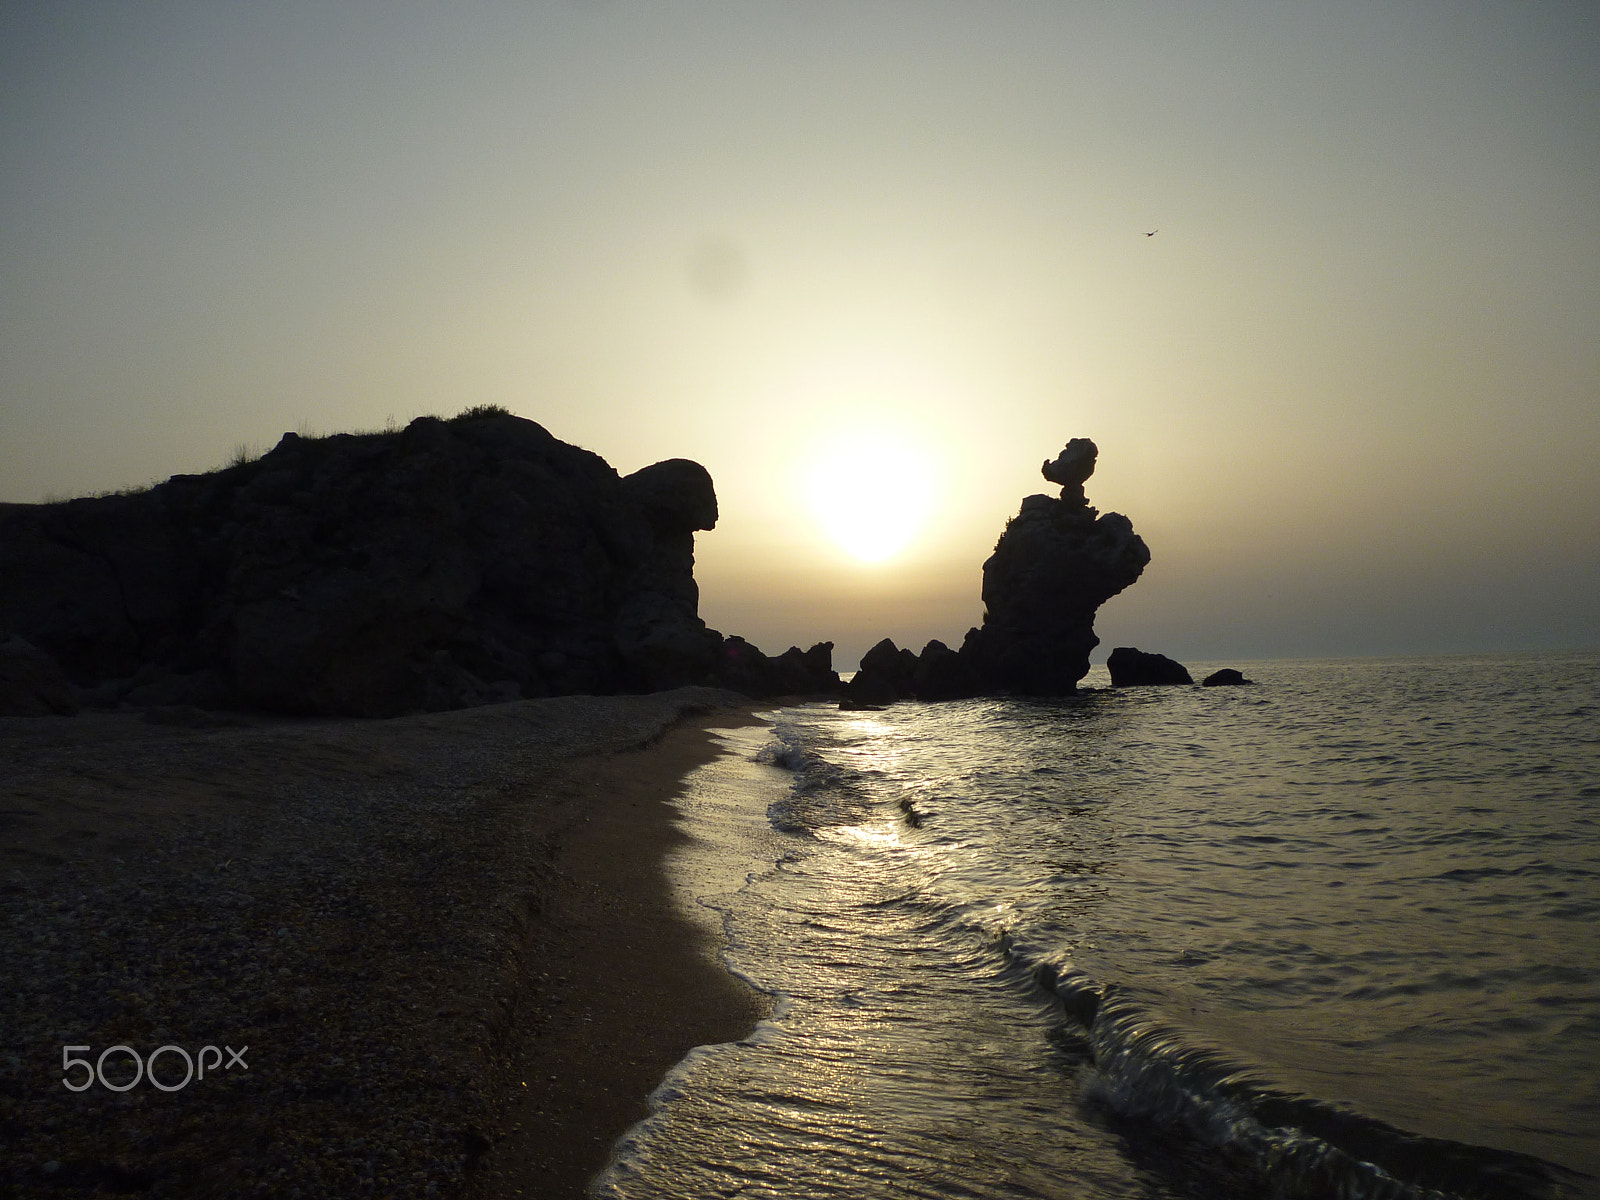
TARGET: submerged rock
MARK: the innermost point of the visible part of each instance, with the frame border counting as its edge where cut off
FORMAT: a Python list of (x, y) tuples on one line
[(1131, 667), (1227, 677)]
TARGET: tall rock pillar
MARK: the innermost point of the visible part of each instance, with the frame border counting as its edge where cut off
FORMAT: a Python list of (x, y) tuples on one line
[(1056, 563)]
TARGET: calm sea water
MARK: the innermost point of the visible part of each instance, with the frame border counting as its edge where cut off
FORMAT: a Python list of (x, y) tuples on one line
[(1337, 934)]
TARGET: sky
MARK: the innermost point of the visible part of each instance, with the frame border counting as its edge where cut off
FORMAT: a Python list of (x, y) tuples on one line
[(871, 263)]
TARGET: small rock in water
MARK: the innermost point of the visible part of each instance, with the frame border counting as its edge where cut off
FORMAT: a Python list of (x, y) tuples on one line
[(1131, 667)]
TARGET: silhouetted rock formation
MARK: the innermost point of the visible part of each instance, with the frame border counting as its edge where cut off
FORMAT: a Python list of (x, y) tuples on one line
[(451, 563), (809, 672), (1072, 468), (889, 673), (1227, 677), (31, 682), (1056, 563), (1135, 668), (942, 674), (884, 676), (795, 672)]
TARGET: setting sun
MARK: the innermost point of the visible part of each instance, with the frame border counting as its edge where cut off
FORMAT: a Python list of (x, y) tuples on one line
[(871, 494)]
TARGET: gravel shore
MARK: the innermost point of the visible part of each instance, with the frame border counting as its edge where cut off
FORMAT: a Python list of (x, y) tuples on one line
[(433, 935)]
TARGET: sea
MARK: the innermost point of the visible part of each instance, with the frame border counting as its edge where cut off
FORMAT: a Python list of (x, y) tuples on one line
[(1335, 934)]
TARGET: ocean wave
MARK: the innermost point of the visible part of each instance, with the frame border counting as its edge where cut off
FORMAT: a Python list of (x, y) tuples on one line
[(1153, 1075), (789, 751), (823, 792), (1106, 846)]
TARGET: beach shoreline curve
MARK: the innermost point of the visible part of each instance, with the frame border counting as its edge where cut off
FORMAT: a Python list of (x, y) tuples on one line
[(430, 931)]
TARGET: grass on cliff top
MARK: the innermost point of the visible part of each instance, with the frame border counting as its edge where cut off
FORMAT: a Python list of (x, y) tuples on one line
[(245, 453)]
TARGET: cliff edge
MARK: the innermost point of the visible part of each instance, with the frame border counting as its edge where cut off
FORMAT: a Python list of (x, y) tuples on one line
[(447, 564)]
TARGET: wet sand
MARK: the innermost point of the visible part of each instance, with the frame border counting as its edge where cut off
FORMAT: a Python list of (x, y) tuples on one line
[(447, 940), (627, 984)]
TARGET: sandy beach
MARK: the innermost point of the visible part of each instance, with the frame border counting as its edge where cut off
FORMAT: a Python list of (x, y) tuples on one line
[(441, 945)]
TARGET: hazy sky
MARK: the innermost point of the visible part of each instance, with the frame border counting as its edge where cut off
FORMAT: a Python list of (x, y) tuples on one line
[(1349, 393)]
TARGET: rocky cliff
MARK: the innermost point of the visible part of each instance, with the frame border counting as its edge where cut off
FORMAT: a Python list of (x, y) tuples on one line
[(451, 563)]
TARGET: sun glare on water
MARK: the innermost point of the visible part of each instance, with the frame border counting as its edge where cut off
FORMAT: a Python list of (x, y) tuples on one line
[(871, 494)]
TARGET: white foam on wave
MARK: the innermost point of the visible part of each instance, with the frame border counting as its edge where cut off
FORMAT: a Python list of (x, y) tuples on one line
[(723, 816)]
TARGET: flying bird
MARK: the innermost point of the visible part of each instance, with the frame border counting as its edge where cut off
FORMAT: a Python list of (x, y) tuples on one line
[(1152, 233)]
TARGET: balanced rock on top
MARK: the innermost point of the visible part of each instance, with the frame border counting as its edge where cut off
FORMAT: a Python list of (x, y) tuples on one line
[(1072, 468)]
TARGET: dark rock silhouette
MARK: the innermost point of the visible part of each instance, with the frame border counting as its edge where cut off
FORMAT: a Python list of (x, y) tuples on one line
[(795, 672), (473, 560), (1227, 677), (889, 673), (869, 691), (1131, 667), (451, 563), (885, 675), (1055, 564), (942, 674), (31, 682), (743, 667), (1072, 468), (808, 672)]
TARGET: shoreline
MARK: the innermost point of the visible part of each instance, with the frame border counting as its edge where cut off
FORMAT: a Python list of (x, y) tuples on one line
[(633, 983), (405, 920)]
